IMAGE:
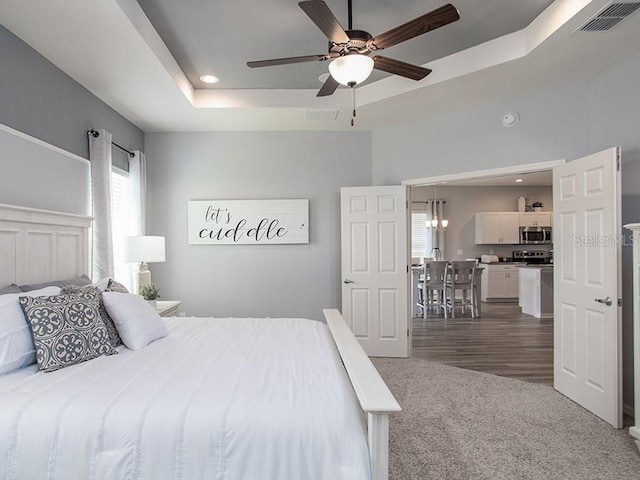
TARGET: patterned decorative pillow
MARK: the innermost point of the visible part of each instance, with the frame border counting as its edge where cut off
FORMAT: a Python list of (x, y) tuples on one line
[(114, 286), (66, 329), (114, 337)]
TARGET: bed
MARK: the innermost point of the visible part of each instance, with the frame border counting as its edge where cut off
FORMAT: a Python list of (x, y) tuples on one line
[(215, 398)]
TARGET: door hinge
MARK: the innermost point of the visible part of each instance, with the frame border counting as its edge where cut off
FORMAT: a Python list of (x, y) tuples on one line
[(406, 204), (407, 333), (407, 268), (619, 302), (618, 159)]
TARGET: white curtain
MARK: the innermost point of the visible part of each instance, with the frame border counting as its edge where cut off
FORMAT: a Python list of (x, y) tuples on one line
[(138, 192), (437, 234), (102, 245)]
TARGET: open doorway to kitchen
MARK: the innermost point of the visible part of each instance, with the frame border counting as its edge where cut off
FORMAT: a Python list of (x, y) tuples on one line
[(512, 335)]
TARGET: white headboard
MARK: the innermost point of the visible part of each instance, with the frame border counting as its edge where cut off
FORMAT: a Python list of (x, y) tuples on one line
[(40, 245)]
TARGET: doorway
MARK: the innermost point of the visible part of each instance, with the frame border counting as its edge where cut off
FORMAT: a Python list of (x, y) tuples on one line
[(586, 280), (504, 341)]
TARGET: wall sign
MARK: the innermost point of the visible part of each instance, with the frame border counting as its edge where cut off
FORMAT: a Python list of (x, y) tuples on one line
[(248, 222)]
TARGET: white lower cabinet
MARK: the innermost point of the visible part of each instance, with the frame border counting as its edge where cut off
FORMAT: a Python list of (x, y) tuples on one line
[(500, 283)]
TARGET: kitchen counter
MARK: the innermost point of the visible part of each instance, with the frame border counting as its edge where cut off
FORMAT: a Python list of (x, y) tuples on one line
[(543, 267), (536, 290)]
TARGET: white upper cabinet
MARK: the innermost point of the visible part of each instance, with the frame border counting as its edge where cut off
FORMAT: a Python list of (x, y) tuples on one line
[(535, 219), (497, 227)]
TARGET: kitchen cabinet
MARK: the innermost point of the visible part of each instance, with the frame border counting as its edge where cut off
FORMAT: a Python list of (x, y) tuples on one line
[(535, 219), (497, 227), (500, 282)]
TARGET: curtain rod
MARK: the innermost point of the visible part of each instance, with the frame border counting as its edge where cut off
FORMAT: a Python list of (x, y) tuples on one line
[(96, 134)]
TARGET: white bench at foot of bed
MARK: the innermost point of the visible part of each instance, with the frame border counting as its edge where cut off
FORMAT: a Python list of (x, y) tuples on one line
[(373, 394)]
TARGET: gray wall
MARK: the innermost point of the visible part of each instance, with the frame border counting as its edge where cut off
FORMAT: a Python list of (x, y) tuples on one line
[(461, 205), (37, 175), (40, 100), (252, 280), (567, 122)]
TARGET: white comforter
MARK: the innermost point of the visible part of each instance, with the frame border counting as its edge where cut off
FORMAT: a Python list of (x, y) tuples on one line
[(218, 399)]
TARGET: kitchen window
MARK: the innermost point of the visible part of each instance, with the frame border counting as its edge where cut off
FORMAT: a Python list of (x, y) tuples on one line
[(421, 237)]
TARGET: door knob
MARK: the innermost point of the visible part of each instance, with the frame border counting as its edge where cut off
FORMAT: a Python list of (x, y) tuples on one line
[(607, 301), (346, 280)]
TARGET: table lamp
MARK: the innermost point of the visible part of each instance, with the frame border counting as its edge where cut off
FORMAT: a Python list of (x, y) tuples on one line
[(143, 250)]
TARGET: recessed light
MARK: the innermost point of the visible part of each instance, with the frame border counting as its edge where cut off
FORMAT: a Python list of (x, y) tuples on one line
[(519, 180), (323, 78), (209, 79)]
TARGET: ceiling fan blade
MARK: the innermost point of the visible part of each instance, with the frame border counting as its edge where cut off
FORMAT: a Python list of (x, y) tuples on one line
[(389, 65), (321, 15), (427, 22), (287, 60), (328, 87)]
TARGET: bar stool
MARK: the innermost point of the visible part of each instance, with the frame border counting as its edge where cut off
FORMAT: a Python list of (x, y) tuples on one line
[(461, 277), (433, 287)]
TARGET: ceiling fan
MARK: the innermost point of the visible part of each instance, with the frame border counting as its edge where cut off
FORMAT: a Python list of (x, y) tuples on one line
[(350, 49)]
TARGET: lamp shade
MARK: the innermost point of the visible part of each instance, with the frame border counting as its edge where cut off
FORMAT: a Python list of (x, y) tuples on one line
[(145, 249), (351, 70)]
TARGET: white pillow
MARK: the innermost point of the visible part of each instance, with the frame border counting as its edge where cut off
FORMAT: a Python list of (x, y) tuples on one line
[(137, 322), (16, 343), (102, 284)]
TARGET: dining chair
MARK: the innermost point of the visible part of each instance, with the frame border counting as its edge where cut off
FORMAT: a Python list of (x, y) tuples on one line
[(461, 276), (433, 286)]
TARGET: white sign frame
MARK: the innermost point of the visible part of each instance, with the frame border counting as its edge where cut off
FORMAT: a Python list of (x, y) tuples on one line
[(248, 222)]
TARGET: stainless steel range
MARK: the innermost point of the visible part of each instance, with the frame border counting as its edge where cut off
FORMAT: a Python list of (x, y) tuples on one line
[(532, 257)]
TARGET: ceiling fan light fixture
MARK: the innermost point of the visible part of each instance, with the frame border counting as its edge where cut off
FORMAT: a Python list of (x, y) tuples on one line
[(351, 70)]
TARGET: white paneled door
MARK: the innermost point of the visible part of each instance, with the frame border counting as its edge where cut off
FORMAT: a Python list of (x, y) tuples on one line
[(375, 268), (587, 318)]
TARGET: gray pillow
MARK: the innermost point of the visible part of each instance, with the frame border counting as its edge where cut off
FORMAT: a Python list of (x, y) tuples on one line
[(13, 288), (83, 280), (114, 337), (66, 329), (114, 286)]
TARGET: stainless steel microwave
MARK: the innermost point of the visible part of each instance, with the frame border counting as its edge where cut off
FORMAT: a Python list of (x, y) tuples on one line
[(535, 235)]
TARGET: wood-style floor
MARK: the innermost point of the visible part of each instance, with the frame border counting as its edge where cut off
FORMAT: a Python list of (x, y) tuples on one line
[(503, 342)]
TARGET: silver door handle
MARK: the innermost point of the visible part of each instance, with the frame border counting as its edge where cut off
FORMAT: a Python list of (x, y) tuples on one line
[(607, 301), (346, 280)]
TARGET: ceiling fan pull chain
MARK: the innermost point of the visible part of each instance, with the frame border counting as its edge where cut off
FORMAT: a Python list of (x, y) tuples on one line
[(353, 114)]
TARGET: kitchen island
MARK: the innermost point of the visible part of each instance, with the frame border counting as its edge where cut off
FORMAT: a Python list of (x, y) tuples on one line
[(536, 290)]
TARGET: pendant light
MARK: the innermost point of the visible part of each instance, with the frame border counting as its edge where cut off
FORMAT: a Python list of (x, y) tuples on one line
[(435, 223)]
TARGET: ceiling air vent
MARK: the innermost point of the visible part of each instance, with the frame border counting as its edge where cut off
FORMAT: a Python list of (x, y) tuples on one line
[(322, 115), (609, 16)]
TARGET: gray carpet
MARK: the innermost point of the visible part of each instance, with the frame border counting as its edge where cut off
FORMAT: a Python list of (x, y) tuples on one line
[(459, 424)]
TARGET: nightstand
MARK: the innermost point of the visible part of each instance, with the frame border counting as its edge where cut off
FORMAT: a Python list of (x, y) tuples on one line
[(169, 308)]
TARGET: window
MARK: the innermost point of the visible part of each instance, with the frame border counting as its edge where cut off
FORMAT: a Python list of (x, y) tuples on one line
[(421, 237), (120, 224)]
